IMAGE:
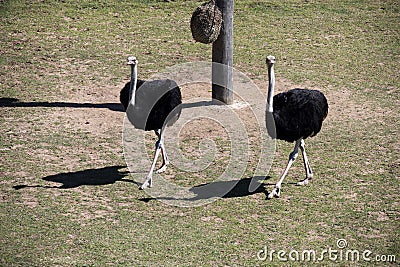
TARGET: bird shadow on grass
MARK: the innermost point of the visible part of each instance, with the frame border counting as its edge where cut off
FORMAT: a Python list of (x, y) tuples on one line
[(101, 176), (14, 102), (223, 189)]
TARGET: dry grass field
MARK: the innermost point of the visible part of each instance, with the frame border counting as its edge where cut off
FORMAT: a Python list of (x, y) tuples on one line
[(66, 195)]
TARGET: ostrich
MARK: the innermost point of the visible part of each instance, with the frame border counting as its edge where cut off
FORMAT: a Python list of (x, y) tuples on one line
[(298, 114), (151, 105)]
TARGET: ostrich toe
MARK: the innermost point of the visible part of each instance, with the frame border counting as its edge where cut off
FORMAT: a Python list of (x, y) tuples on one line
[(276, 192)]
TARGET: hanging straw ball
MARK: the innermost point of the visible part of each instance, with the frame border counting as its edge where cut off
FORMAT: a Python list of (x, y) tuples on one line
[(206, 23)]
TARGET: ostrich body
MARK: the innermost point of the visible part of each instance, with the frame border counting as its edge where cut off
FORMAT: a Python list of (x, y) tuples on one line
[(298, 114), (151, 106)]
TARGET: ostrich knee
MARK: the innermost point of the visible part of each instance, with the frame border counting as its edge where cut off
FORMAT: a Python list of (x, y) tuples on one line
[(158, 144)]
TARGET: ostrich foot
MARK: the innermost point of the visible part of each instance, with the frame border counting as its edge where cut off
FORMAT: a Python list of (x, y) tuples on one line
[(276, 192), (305, 181), (162, 168), (147, 184)]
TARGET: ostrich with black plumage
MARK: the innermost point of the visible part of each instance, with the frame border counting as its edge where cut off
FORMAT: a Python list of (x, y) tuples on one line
[(293, 116), (151, 106)]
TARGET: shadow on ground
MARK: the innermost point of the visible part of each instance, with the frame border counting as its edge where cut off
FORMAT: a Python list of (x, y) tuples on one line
[(236, 188), (110, 175), (101, 176), (14, 102)]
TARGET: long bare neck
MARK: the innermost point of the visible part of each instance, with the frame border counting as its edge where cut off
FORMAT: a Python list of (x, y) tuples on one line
[(132, 88), (271, 88)]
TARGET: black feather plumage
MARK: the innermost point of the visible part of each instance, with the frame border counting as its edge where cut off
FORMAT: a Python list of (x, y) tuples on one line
[(124, 94), (155, 102), (299, 113)]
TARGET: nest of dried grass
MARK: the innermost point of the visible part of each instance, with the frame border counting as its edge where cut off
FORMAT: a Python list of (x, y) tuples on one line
[(206, 23)]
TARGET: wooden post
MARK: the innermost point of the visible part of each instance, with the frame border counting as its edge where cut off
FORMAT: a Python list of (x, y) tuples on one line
[(222, 53)]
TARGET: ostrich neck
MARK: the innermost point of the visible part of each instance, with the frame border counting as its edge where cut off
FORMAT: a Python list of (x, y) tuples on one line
[(132, 89), (271, 88)]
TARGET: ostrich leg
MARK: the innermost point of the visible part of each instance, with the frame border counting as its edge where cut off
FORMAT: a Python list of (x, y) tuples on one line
[(276, 192), (163, 153), (148, 182), (309, 173)]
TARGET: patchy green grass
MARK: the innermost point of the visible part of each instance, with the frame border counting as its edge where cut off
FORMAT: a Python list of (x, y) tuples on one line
[(65, 196)]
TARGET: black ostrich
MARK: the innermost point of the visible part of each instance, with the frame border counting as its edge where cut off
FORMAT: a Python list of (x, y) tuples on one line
[(151, 105), (298, 114)]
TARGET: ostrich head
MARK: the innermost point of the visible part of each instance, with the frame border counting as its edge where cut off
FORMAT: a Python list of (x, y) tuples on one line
[(270, 60), (132, 60)]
